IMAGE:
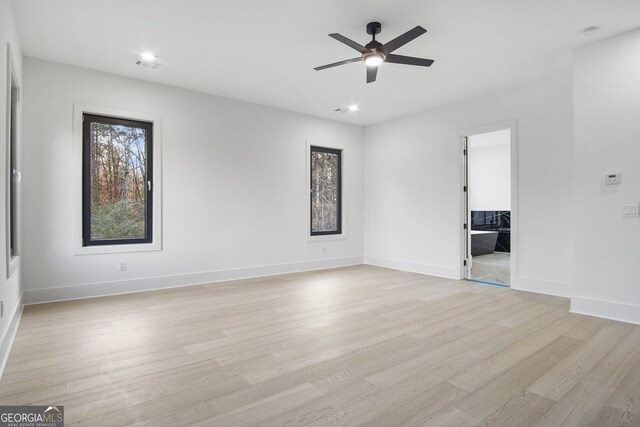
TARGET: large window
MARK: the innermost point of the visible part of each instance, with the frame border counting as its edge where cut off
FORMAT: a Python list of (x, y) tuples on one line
[(117, 181), (326, 191)]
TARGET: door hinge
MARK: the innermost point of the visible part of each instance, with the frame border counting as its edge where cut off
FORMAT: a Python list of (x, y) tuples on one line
[(464, 151), (464, 188), (149, 185), (464, 226), (465, 262)]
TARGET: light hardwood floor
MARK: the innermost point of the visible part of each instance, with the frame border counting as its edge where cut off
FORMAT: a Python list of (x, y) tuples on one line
[(351, 346)]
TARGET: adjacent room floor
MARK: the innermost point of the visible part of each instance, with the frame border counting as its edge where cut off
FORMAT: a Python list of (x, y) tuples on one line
[(348, 346), (493, 268)]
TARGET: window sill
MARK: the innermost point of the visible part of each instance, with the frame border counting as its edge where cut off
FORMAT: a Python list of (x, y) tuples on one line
[(326, 237), (118, 249), (12, 265)]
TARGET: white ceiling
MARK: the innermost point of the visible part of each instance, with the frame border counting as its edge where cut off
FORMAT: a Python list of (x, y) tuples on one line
[(264, 51)]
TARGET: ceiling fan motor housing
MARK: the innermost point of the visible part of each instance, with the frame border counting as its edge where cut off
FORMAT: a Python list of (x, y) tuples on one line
[(374, 45)]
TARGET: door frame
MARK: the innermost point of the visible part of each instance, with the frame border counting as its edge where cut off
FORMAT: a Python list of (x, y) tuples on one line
[(465, 226)]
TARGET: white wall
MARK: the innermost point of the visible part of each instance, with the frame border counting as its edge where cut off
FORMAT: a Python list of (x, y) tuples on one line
[(10, 291), (607, 140), (235, 202), (413, 184), (490, 171)]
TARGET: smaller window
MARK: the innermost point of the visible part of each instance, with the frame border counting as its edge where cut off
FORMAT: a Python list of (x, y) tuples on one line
[(117, 183), (13, 175), (326, 191)]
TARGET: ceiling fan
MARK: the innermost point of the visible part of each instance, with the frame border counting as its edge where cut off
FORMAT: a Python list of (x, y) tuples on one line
[(375, 53)]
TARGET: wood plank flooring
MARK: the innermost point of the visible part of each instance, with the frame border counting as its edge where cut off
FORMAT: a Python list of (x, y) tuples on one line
[(352, 346)]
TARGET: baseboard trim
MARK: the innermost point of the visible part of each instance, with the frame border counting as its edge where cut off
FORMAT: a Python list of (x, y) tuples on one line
[(547, 287), (9, 337), (612, 310), (92, 290), (413, 267), (538, 286)]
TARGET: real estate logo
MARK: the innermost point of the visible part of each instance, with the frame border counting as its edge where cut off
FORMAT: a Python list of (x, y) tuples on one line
[(32, 416)]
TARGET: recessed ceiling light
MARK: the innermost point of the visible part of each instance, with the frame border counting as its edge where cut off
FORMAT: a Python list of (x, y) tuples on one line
[(589, 31), (147, 56), (353, 107)]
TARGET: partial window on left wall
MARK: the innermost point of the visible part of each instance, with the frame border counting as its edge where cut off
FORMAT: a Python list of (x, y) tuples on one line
[(117, 181), (13, 177)]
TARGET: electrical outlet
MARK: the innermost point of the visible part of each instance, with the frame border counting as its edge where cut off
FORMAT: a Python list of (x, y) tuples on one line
[(123, 265)]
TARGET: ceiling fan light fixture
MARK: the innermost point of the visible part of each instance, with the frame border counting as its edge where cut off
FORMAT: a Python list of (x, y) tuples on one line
[(374, 59)]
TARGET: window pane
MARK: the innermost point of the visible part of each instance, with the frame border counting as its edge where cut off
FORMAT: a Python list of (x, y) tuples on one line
[(118, 181), (325, 191), (13, 173)]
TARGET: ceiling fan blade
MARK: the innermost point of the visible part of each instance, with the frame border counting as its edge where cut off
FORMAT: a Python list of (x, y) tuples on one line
[(335, 64), (372, 72), (403, 39), (349, 42), (409, 60)]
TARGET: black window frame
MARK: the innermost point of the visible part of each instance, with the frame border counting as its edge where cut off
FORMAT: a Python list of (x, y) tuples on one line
[(338, 152), (87, 119), (13, 166)]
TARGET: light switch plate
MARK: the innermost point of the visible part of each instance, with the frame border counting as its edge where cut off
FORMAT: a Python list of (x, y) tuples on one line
[(631, 210)]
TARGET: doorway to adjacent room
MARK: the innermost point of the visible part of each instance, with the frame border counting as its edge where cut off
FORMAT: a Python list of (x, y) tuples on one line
[(488, 206)]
